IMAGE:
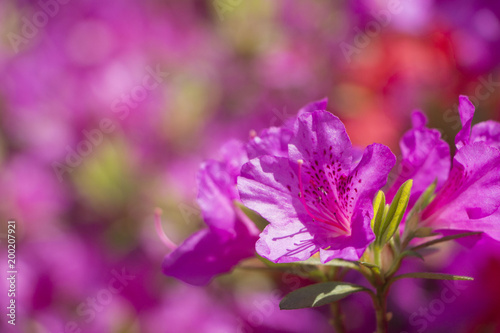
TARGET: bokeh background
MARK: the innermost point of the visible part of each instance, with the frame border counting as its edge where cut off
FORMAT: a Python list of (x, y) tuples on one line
[(108, 107)]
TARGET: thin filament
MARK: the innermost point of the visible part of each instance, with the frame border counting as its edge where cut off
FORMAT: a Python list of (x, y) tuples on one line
[(161, 233), (306, 206)]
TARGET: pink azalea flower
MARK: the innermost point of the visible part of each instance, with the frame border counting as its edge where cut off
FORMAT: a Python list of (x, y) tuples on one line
[(470, 198), (316, 198)]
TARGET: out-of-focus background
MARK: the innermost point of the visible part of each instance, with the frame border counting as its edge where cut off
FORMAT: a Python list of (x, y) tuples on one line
[(108, 107)]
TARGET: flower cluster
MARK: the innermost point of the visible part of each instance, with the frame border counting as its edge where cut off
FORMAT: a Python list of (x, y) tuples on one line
[(231, 235), (321, 196), (316, 189)]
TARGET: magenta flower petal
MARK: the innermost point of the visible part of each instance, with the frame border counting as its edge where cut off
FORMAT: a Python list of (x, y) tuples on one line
[(274, 140), (425, 159), (369, 176), (206, 254), (271, 141), (233, 155), (267, 183), (322, 138), (469, 200), (471, 195), (487, 132), (313, 106), (310, 107), (466, 111), (291, 243), (317, 198), (230, 236), (216, 193), (269, 186)]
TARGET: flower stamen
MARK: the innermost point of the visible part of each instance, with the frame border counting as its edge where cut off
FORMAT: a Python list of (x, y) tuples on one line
[(161, 233), (302, 199)]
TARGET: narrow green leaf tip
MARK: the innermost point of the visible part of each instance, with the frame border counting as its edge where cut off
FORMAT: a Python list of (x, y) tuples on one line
[(433, 276), (319, 294), (378, 212), (395, 213)]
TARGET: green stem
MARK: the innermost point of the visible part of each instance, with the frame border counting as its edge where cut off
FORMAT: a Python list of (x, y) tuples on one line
[(378, 272), (337, 318), (379, 299), (376, 256), (381, 310), (444, 239), (394, 267)]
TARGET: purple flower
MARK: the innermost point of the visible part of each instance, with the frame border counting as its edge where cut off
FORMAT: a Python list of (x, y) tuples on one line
[(271, 141), (316, 198), (470, 198), (487, 132), (425, 159), (274, 140), (313, 106), (230, 236)]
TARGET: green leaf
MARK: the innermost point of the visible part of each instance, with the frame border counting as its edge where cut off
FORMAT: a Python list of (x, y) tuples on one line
[(410, 253), (423, 232), (428, 251), (426, 197), (444, 239), (369, 265), (396, 212), (378, 212), (333, 262), (319, 294), (397, 241), (423, 201), (433, 276)]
